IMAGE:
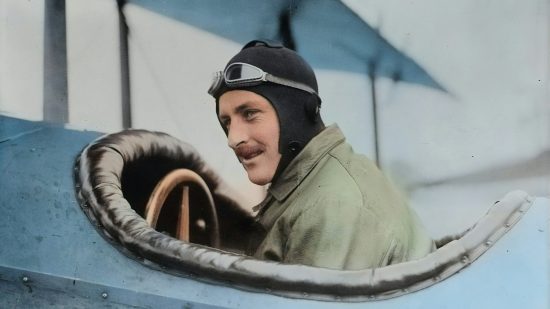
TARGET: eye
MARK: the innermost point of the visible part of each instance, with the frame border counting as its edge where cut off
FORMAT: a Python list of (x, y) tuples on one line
[(225, 122), (250, 113)]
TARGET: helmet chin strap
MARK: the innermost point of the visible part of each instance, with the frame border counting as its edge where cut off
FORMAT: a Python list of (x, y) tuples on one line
[(294, 147)]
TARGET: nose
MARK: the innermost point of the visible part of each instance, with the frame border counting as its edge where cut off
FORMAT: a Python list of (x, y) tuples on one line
[(237, 134)]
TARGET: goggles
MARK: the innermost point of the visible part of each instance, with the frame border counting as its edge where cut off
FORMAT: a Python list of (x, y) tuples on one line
[(240, 74)]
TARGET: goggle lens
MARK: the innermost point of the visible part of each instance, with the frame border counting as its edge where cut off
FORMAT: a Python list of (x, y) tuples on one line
[(242, 72)]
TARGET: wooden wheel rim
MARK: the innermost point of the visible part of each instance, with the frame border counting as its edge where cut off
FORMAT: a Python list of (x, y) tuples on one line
[(160, 193)]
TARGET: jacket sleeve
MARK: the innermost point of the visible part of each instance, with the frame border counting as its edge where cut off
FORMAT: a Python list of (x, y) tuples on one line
[(338, 232)]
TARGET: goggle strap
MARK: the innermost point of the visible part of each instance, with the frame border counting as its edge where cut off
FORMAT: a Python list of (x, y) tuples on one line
[(289, 83)]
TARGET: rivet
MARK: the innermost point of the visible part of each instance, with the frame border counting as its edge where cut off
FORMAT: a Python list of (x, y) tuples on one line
[(25, 279), (436, 278), (404, 290), (464, 259), (488, 243), (507, 225), (304, 294), (371, 296), (104, 295)]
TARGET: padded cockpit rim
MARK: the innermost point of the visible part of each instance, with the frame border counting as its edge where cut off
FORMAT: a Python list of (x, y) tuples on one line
[(130, 233)]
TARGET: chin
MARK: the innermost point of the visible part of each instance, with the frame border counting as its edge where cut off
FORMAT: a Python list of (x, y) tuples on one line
[(259, 180)]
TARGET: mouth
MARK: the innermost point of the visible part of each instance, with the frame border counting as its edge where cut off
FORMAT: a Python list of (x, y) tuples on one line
[(247, 154)]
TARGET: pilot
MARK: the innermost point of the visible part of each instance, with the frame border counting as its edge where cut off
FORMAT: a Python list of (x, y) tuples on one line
[(326, 206)]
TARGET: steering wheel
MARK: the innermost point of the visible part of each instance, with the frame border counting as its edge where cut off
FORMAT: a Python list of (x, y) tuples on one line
[(160, 193)]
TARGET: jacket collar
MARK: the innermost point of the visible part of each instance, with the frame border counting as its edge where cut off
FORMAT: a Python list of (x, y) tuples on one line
[(305, 161)]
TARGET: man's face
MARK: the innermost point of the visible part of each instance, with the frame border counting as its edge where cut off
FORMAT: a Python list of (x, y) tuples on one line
[(252, 132)]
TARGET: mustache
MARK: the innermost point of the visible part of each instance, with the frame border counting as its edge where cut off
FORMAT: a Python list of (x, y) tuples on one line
[(246, 152)]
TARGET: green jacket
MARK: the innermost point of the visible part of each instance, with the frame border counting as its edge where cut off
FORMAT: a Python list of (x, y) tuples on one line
[(333, 208)]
